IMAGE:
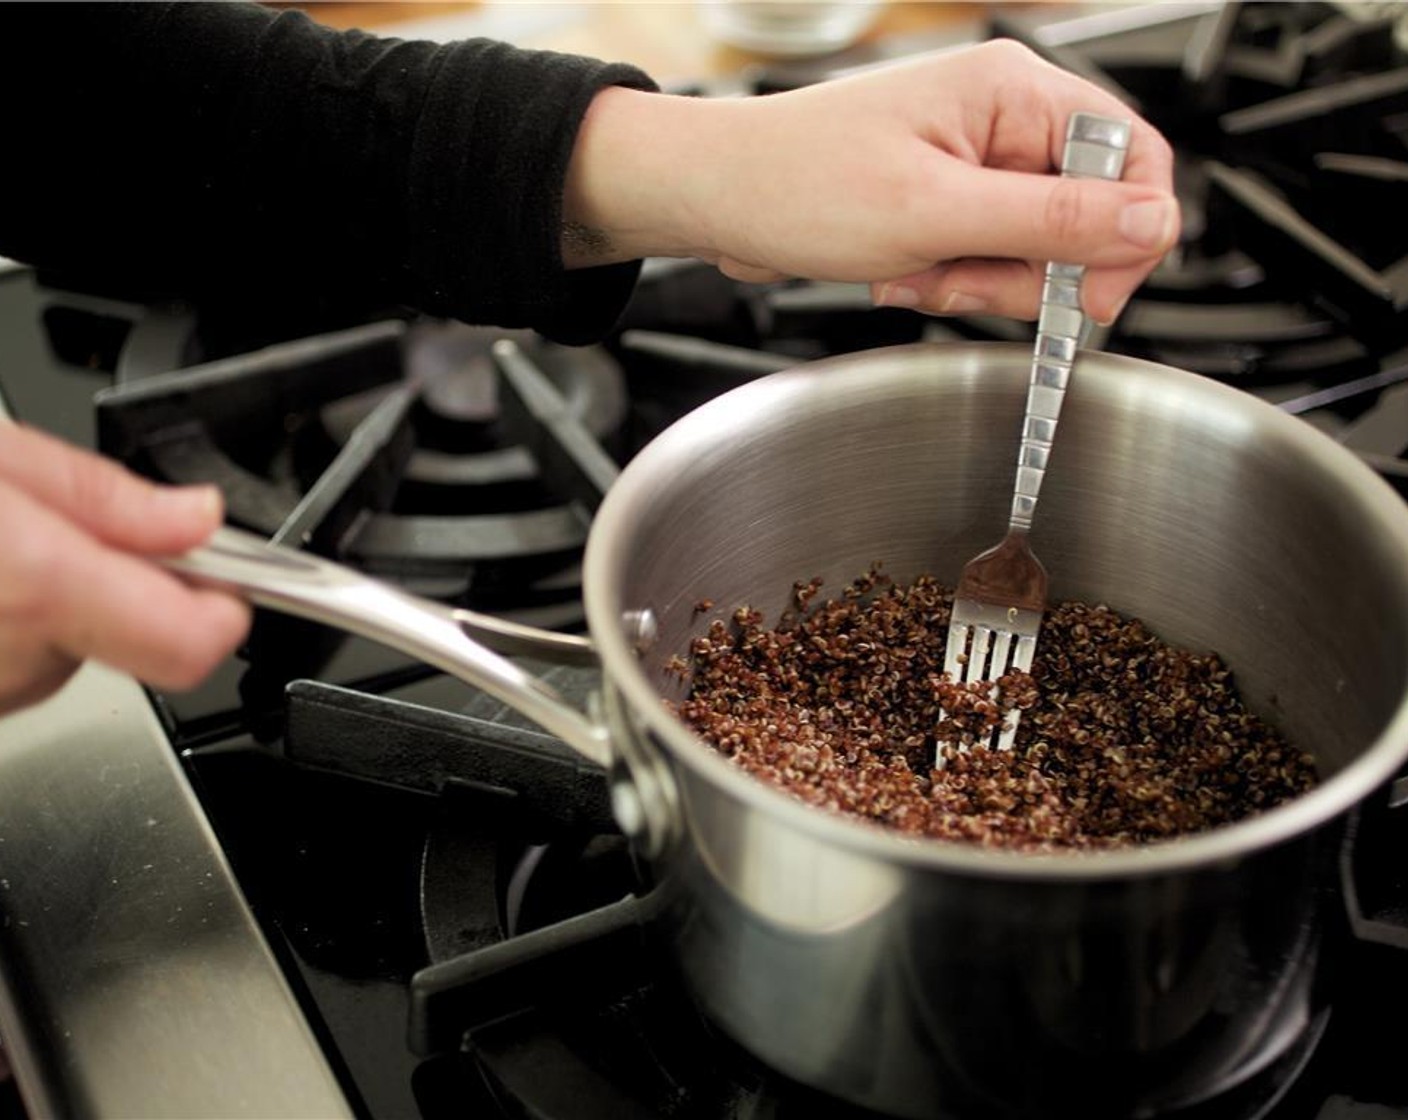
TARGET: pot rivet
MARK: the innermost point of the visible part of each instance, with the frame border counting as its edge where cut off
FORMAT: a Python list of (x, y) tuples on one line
[(627, 807), (641, 628)]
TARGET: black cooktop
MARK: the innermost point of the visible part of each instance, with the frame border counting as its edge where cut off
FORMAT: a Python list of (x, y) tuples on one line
[(443, 883)]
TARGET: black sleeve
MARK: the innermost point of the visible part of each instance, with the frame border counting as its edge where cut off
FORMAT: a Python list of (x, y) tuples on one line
[(220, 150)]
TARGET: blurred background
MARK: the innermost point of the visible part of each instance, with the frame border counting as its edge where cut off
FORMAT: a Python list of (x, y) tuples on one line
[(674, 42)]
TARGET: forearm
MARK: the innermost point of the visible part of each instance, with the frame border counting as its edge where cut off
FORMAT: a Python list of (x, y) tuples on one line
[(637, 183), (227, 150)]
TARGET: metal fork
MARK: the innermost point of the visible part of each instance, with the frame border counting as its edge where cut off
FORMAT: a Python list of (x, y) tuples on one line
[(1001, 595)]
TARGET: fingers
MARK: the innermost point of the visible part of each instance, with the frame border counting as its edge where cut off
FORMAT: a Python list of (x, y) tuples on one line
[(1023, 216), (971, 287), (1007, 288), (1105, 291), (1008, 204), (97, 494), (30, 671), (998, 212), (67, 594), (747, 273), (81, 599), (1035, 100), (999, 227)]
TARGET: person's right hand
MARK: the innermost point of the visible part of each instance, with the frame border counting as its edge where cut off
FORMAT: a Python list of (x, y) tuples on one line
[(933, 180), (76, 580)]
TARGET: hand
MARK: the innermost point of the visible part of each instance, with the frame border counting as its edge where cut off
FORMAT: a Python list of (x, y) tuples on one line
[(931, 180), (74, 578)]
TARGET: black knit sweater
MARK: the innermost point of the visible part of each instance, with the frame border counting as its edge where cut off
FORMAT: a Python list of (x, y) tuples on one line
[(226, 151)]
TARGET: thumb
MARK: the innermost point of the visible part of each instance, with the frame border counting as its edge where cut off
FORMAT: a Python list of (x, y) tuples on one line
[(102, 497), (1023, 216)]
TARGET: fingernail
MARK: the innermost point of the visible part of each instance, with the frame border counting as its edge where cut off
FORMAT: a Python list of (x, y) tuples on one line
[(191, 501), (1149, 225), (961, 303), (1115, 314), (897, 295)]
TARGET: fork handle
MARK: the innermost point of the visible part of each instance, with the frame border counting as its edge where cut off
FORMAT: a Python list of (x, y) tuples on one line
[(1095, 149)]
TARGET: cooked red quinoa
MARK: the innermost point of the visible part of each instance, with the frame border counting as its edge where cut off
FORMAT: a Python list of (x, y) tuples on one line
[(1123, 739)]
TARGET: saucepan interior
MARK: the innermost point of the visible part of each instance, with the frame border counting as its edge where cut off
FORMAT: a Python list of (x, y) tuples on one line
[(1223, 523)]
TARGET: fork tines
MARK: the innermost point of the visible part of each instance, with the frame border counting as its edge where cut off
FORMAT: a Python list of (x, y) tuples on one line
[(985, 643), (997, 612)]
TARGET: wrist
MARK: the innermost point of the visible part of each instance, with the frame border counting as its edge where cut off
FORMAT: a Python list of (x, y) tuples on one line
[(633, 186)]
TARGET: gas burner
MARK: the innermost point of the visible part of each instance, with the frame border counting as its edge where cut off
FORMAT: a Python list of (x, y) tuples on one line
[(424, 452), (463, 437)]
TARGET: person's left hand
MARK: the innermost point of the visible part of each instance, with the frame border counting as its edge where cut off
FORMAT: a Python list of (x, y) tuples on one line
[(79, 577)]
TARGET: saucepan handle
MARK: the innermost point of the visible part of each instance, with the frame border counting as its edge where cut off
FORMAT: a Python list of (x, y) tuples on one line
[(449, 638)]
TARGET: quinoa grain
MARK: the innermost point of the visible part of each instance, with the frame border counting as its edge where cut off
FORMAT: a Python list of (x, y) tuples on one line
[(1123, 739)]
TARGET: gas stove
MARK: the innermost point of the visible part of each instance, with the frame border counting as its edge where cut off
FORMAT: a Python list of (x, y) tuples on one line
[(332, 881)]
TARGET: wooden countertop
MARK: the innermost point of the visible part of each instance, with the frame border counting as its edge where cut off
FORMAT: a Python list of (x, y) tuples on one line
[(667, 39)]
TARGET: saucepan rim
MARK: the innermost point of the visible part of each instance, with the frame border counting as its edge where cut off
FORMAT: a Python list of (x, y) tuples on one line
[(607, 551)]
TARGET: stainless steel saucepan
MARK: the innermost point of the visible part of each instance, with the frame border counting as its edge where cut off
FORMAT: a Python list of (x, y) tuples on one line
[(925, 979)]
